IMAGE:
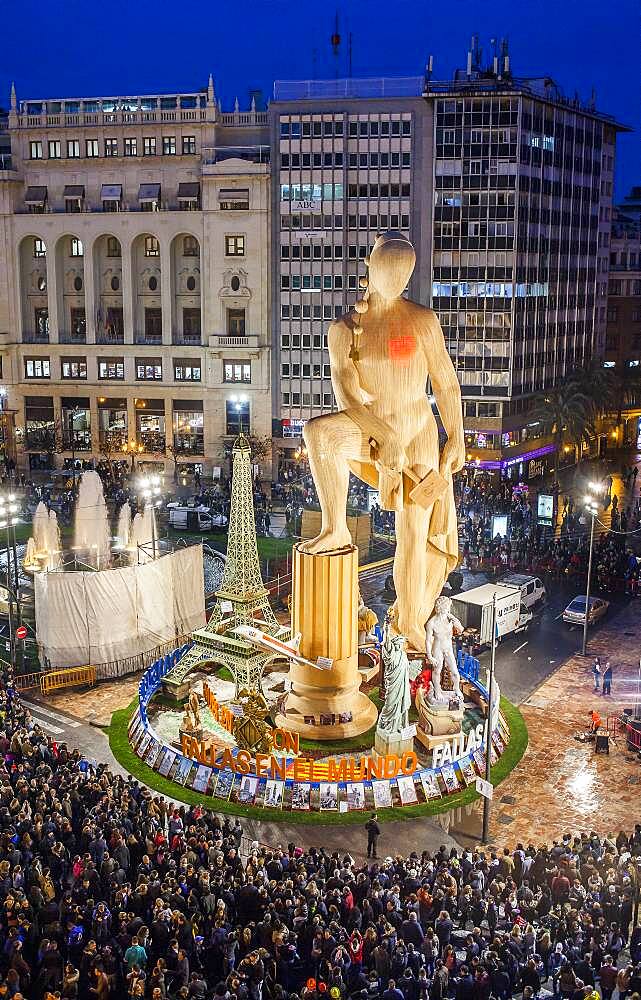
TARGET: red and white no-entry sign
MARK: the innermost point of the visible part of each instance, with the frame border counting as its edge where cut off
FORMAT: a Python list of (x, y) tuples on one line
[(21, 632)]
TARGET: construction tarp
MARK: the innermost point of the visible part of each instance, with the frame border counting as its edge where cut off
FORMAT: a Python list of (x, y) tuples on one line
[(116, 615)]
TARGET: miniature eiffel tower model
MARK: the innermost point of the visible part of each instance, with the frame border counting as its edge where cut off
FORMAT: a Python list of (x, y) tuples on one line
[(242, 598), (242, 584)]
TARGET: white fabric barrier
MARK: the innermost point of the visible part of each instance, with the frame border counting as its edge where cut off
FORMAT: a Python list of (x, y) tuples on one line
[(98, 618)]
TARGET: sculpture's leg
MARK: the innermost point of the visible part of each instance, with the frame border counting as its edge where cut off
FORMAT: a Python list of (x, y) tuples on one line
[(435, 577), (410, 570), (331, 442)]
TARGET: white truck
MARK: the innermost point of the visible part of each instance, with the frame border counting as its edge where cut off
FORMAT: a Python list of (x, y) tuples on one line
[(474, 609)]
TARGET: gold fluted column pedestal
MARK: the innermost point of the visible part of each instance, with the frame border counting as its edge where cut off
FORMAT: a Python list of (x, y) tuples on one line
[(325, 612)]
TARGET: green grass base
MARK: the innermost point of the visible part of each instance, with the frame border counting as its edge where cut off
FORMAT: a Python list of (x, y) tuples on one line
[(119, 744)]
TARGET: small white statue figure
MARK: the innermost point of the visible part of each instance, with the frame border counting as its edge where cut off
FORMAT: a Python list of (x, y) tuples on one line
[(396, 671), (439, 648)]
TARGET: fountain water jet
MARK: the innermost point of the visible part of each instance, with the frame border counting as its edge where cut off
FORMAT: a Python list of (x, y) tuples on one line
[(124, 540), (92, 538)]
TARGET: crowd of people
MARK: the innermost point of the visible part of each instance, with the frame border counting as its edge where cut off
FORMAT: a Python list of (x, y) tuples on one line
[(107, 890), (559, 553)]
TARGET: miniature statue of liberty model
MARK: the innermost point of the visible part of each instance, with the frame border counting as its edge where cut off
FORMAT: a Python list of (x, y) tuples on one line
[(394, 717)]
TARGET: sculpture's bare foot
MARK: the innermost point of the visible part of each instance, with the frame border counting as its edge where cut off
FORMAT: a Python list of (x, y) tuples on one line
[(327, 541)]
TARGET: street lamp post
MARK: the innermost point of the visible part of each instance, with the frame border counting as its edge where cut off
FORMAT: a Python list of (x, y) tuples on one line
[(592, 509), (488, 732), (8, 510)]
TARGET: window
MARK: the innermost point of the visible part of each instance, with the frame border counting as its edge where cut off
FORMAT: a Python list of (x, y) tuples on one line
[(37, 368), (187, 370), (191, 325), (112, 368), (152, 247), (131, 146), (153, 324), (237, 371), (189, 144), (41, 320), (73, 367), (148, 369), (149, 145), (113, 247), (234, 199), (78, 324), (91, 147), (39, 248), (35, 150), (55, 149), (234, 246), (77, 249), (236, 416), (190, 247), (169, 145), (236, 322), (111, 147), (73, 149)]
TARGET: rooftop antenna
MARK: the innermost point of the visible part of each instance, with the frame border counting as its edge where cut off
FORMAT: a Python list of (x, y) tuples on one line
[(505, 54), (495, 58), (336, 44)]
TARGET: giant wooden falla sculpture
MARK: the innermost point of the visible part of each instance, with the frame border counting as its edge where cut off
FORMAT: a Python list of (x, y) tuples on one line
[(382, 356), (382, 353)]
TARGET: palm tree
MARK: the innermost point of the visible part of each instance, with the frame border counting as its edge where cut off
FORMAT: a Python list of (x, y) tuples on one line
[(569, 412)]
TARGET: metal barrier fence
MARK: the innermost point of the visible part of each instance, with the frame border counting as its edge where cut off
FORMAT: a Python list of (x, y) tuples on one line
[(27, 682), (73, 677), (134, 664)]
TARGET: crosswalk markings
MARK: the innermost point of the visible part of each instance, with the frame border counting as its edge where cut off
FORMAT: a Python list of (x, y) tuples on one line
[(49, 727), (34, 707)]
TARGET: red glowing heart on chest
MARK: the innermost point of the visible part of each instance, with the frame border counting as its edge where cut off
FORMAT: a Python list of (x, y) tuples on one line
[(401, 346)]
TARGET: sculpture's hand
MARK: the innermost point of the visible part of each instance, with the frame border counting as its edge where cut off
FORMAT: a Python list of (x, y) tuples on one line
[(452, 457), (391, 454)]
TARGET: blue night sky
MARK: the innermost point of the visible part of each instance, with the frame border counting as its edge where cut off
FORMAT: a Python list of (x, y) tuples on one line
[(75, 48)]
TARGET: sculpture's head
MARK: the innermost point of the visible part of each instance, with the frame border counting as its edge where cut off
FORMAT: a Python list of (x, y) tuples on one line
[(391, 264), (442, 606)]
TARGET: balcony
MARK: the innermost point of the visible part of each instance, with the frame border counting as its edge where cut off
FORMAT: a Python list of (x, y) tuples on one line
[(148, 339), (187, 340), (110, 339), (218, 154), (249, 340), (35, 337), (71, 337)]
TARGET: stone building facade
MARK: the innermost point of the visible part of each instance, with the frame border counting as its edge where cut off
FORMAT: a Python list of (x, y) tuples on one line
[(134, 280)]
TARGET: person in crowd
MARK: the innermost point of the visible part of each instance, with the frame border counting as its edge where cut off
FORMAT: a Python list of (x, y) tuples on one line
[(107, 890)]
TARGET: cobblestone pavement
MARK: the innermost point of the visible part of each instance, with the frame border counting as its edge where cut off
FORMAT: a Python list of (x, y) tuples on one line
[(560, 784), (97, 705)]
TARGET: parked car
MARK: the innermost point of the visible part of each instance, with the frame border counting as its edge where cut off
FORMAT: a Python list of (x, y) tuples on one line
[(574, 614)]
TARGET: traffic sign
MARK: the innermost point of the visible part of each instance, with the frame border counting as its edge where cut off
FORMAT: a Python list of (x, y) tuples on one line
[(485, 788), (21, 632)]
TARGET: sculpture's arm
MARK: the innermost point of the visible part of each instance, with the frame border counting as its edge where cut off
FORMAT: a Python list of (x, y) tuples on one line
[(429, 639), (458, 625), (349, 396), (447, 393)]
